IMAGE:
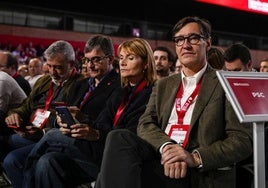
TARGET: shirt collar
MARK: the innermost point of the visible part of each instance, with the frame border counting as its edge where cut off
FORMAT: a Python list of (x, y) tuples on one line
[(195, 77)]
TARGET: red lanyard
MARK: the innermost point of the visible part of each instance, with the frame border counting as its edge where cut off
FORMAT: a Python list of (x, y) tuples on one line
[(126, 101), (181, 111), (49, 96), (15, 75), (51, 90)]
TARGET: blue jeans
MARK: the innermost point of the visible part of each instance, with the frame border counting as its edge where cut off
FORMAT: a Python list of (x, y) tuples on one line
[(16, 141), (57, 162), (14, 163), (11, 141)]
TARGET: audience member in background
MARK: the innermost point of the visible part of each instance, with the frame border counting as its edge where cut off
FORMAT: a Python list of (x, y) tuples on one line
[(9, 64), (35, 71), (23, 70), (74, 164), (163, 60), (188, 127), (238, 58), (11, 96), (45, 70), (116, 65), (216, 58), (16, 52), (30, 50), (178, 66), (87, 98), (37, 113), (264, 65), (84, 70)]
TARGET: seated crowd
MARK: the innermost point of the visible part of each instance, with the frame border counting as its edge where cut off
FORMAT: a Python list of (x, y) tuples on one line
[(143, 118)]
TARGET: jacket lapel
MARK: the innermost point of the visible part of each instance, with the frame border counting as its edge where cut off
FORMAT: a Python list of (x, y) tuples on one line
[(209, 82), (169, 98)]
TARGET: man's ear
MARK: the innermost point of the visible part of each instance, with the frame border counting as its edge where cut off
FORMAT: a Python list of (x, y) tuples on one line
[(111, 59), (209, 43)]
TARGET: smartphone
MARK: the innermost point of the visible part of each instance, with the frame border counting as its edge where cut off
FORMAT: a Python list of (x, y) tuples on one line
[(65, 114), (16, 128)]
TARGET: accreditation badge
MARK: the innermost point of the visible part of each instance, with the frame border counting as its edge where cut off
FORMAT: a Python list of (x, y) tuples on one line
[(179, 133), (40, 118)]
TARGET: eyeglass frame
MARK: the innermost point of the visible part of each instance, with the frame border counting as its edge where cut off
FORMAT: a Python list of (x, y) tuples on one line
[(96, 60), (196, 36)]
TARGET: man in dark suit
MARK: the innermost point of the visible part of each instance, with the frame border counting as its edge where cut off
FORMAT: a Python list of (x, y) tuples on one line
[(9, 64), (189, 132)]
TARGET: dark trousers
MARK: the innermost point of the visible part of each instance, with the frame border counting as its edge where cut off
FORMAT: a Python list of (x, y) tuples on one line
[(129, 161), (56, 162)]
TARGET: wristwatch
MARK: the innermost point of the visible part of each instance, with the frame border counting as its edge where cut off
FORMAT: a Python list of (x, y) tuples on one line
[(197, 159)]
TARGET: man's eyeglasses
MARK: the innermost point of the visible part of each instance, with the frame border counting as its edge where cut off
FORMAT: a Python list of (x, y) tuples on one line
[(95, 60), (192, 39)]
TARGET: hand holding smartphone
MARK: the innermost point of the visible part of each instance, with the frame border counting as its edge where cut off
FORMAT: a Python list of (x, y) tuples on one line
[(65, 115)]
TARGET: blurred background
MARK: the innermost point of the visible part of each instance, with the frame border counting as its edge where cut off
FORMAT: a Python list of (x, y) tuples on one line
[(44, 21)]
